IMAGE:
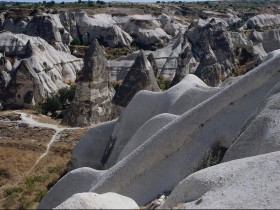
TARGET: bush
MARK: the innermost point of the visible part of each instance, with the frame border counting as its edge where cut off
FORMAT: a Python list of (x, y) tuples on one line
[(56, 101), (163, 83), (76, 41)]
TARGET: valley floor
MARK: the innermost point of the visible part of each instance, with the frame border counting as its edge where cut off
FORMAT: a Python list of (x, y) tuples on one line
[(34, 153)]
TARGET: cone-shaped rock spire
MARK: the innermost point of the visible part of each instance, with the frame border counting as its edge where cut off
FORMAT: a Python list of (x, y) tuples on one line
[(92, 102), (139, 77)]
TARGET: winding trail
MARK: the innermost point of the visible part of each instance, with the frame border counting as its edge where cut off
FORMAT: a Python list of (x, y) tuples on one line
[(28, 119)]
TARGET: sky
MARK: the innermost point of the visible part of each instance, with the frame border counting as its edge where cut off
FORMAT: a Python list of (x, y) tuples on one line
[(103, 0)]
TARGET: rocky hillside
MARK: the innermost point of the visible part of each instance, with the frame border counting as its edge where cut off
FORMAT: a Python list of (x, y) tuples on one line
[(179, 100), (163, 140)]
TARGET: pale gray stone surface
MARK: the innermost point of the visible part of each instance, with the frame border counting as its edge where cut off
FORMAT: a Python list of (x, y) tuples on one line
[(98, 201), (248, 183)]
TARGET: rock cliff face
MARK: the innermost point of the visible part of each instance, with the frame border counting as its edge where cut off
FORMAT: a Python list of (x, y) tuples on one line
[(262, 20), (24, 88), (173, 131), (33, 59), (92, 101), (101, 27), (140, 77), (49, 28), (211, 39), (147, 32), (165, 58), (269, 39)]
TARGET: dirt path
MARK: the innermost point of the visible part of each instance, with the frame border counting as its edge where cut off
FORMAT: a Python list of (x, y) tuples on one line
[(28, 119)]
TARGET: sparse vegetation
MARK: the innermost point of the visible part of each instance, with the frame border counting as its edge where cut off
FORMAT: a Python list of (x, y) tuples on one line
[(56, 101), (212, 157), (116, 85), (19, 150), (163, 83)]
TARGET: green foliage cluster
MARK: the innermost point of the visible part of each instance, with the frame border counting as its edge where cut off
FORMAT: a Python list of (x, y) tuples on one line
[(163, 83), (235, 26), (76, 41), (56, 101)]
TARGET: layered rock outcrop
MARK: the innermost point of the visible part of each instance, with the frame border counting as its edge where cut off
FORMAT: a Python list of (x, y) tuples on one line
[(140, 77), (92, 101), (208, 37), (100, 26), (49, 28), (165, 58), (262, 20), (37, 61), (147, 32), (270, 39)]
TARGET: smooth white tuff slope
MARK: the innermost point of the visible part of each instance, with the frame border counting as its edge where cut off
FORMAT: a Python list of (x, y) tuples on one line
[(95, 201), (248, 183), (173, 152), (261, 132)]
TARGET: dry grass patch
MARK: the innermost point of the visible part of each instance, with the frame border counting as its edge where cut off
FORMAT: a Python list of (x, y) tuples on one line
[(20, 148)]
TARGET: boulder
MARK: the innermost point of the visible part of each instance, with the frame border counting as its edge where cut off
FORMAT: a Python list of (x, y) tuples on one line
[(140, 77), (108, 200), (247, 183), (92, 101)]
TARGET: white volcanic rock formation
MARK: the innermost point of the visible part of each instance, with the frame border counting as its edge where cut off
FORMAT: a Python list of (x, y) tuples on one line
[(47, 27), (100, 26), (165, 58), (208, 37), (269, 39), (260, 134), (249, 183), (92, 101), (96, 201), (262, 20), (160, 138), (147, 32), (50, 68), (60, 29), (141, 76)]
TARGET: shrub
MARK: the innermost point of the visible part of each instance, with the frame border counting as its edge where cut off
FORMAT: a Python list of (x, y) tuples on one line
[(163, 83), (56, 101), (40, 195), (76, 41)]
